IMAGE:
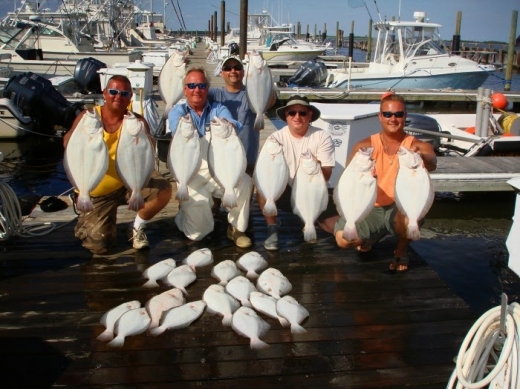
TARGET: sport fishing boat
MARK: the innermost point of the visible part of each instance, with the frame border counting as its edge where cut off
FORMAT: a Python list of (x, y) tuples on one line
[(410, 55)]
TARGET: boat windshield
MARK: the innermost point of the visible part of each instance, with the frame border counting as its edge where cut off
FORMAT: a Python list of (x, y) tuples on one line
[(10, 36), (419, 41)]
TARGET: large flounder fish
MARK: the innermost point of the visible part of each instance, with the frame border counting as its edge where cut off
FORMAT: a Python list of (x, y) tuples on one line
[(356, 191), (414, 192), (226, 159), (134, 159), (259, 86), (86, 158), (184, 157), (271, 174), (309, 195), (219, 302), (180, 317), (132, 322), (247, 323), (110, 318), (171, 80)]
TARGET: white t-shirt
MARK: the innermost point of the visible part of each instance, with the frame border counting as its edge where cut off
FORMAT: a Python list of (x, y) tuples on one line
[(316, 140)]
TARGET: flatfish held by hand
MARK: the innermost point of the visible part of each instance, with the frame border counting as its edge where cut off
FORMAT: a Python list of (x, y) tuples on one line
[(356, 191), (163, 302), (273, 283), (309, 195), (184, 157), (259, 86), (248, 324), (266, 304), (134, 159), (414, 192), (271, 174), (199, 258), (133, 322), (110, 318), (252, 262), (293, 311), (219, 302), (158, 271), (86, 158), (180, 317), (225, 271), (226, 159), (240, 288), (171, 80), (181, 277)]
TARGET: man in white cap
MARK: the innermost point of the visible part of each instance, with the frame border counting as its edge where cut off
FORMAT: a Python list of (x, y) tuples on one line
[(297, 137)]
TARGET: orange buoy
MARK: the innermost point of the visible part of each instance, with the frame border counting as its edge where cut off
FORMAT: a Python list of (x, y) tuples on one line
[(386, 94), (499, 100), (470, 130)]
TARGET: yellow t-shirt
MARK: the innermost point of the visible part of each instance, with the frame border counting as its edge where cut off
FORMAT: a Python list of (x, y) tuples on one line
[(111, 180)]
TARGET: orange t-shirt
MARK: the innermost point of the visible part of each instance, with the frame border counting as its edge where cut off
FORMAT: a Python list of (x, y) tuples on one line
[(386, 169)]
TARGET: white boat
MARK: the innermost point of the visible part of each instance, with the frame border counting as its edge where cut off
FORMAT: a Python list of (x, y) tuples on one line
[(13, 124), (410, 55)]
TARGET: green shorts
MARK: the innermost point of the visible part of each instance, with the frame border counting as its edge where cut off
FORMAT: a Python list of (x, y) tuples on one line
[(378, 223)]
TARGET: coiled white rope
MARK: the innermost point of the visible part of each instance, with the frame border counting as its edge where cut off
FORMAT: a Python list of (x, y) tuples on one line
[(11, 217), (490, 351)]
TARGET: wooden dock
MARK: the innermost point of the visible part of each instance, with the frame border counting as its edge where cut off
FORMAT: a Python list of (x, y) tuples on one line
[(367, 328)]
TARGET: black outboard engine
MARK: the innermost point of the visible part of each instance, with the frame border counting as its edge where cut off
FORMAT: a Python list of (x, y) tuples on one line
[(37, 98), (424, 122), (86, 75), (310, 73), (234, 49)]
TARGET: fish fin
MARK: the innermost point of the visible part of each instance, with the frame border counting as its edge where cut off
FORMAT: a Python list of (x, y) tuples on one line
[(284, 322), (270, 208), (229, 199), (84, 203), (156, 331), (226, 321), (412, 231), (182, 193), (150, 284), (136, 201), (257, 344), (118, 341), (350, 232), (309, 232), (106, 335), (297, 329), (259, 121)]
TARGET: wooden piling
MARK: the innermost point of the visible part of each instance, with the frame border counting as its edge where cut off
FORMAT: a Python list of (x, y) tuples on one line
[(510, 51)]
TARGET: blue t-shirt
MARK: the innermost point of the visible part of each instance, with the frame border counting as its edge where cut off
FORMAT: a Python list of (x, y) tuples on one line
[(201, 122), (237, 104)]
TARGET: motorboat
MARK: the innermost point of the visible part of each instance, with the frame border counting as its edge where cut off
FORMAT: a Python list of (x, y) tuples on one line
[(13, 123), (409, 55), (276, 46)]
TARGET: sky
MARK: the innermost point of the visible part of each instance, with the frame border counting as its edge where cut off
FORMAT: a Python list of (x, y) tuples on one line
[(482, 20)]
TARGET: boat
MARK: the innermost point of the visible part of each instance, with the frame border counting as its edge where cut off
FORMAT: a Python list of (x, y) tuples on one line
[(13, 123), (409, 55)]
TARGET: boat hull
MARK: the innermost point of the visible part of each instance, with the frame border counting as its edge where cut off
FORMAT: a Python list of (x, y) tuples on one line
[(274, 56)]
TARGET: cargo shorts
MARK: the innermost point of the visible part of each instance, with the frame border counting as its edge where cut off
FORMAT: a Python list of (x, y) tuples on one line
[(378, 223), (97, 228)]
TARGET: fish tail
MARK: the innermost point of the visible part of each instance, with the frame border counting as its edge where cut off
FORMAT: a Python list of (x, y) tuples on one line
[(246, 303), (156, 331), (106, 336), (309, 232), (154, 324), (183, 289), (118, 341), (84, 204), (251, 274), (226, 321), (182, 192), (136, 201), (284, 322), (259, 121), (257, 344), (270, 208), (297, 329), (167, 109), (150, 284), (412, 231), (350, 232), (229, 199)]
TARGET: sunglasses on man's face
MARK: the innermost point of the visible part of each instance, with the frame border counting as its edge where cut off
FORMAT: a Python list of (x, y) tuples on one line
[(200, 85), (115, 92), (388, 114), (293, 113), (229, 68)]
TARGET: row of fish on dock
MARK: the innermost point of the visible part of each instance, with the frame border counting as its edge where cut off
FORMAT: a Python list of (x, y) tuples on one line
[(236, 298)]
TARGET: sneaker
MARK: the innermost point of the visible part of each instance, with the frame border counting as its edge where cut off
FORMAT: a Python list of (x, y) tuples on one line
[(140, 241), (240, 238), (271, 243)]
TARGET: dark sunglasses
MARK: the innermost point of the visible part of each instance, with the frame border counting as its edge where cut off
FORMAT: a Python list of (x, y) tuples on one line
[(388, 114), (229, 68), (193, 85), (115, 92), (293, 113)]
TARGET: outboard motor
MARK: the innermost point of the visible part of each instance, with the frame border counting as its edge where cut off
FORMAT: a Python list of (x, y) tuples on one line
[(424, 122), (234, 49), (37, 98), (310, 73), (86, 75)]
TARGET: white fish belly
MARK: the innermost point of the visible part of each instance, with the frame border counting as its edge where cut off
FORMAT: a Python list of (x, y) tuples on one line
[(171, 80), (259, 85)]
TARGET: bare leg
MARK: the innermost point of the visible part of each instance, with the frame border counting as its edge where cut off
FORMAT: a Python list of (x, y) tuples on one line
[(327, 225), (400, 223), (152, 207)]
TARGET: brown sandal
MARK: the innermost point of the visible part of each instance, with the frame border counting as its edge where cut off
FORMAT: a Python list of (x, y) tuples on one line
[(396, 262)]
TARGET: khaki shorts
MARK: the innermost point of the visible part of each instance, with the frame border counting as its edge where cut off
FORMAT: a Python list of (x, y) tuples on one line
[(378, 223), (97, 228)]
